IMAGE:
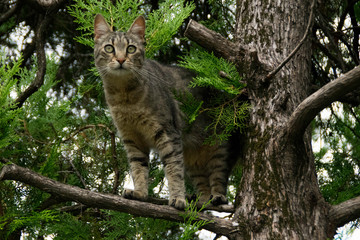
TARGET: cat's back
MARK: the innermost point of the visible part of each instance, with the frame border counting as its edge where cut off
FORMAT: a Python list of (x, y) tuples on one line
[(169, 76)]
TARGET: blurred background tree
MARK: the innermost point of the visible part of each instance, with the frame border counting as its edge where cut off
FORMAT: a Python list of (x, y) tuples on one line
[(54, 119)]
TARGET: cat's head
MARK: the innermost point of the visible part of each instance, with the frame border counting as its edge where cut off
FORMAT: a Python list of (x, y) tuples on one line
[(119, 53)]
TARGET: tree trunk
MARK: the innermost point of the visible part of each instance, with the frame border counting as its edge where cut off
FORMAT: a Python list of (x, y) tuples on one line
[(279, 197)]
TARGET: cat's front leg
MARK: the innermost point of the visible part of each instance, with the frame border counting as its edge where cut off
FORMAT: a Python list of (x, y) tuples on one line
[(171, 154), (139, 170), (174, 172)]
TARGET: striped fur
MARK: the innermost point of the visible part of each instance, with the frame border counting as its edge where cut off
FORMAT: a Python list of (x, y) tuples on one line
[(139, 93)]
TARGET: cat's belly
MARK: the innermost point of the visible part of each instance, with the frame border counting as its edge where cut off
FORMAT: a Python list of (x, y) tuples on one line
[(198, 157)]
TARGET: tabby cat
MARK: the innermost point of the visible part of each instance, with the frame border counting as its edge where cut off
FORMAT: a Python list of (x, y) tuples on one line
[(140, 95)]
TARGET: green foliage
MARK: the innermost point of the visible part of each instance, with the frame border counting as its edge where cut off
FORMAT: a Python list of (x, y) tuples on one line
[(191, 223), (162, 24), (71, 227), (228, 117), (222, 18), (234, 182), (190, 105), (32, 220), (43, 135), (208, 68), (9, 115), (119, 16), (357, 11), (228, 113), (337, 161), (122, 225)]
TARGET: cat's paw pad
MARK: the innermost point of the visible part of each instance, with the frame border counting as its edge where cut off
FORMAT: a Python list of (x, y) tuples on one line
[(178, 203), (218, 199), (134, 194)]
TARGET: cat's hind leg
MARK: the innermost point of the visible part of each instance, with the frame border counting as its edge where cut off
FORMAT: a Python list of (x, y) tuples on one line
[(200, 179), (218, 176)]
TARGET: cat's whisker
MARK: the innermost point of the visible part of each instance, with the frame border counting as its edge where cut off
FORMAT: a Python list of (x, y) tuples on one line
[(147, 74)]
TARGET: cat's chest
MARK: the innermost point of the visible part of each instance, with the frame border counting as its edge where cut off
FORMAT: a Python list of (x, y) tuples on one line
[(134, 118)]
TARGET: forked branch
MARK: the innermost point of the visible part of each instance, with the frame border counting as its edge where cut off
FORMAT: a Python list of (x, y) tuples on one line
[(109, 201), (312, 105)]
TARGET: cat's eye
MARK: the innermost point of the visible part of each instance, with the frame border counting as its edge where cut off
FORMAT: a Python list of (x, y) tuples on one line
[(131, 49), (109, 49)]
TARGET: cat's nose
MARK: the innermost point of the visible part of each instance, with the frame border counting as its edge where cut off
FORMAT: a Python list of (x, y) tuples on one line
[(121, 60)]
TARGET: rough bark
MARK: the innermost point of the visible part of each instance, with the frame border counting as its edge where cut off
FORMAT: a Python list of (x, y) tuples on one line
[(278, 197), (344, 212)]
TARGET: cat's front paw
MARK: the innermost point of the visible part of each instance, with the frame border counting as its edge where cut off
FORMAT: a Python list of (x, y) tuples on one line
[(218, 199), (135, 194), (178, 203)]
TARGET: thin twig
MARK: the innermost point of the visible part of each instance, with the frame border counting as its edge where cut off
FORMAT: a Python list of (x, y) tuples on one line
[(343, 123), (42, 24), (78, 174), (113, 150), (29, 134), (276, 70), (5, 16), (87, 127), (115, 163)]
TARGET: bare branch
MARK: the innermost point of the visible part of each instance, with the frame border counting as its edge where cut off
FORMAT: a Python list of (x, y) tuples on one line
[(244, 58), (78, 174), (109, 201), (345, 212), (312, 105), (88, 127), (287, 59), (211, 41), (5, 16), (356, 30), (113, 151), (332, 50), (43, 22), (48, 3)]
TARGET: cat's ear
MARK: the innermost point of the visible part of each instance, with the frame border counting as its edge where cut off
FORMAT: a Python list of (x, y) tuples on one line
[(138, 27), (100, 26)]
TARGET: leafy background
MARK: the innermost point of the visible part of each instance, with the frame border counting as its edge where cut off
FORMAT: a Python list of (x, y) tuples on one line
[(64, 131)]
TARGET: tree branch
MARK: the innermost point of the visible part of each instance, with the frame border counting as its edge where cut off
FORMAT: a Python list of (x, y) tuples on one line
[(43, 22), (109, 201), (312, 105), (345, 212), (48, 3), (211, 41), (5, 16)]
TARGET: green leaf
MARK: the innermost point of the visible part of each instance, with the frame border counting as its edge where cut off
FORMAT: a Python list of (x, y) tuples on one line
[(357, 11), (161, 25)]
